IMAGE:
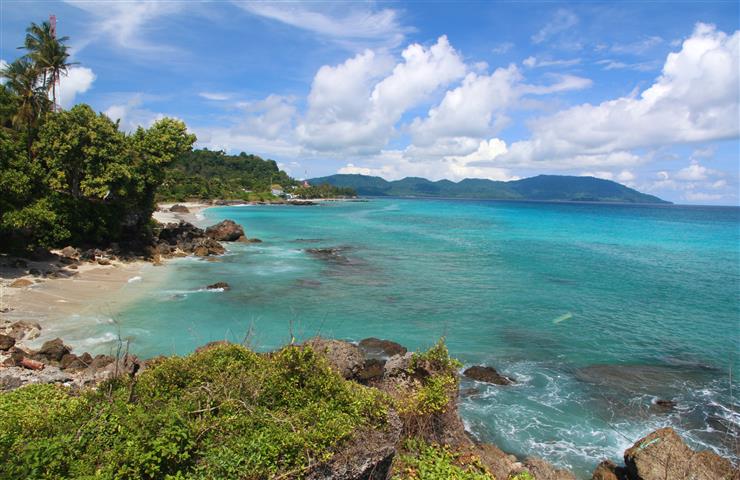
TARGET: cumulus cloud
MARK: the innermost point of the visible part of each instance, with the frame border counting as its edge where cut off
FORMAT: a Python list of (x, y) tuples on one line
[(132, 114), (77, 80), (694, 100)]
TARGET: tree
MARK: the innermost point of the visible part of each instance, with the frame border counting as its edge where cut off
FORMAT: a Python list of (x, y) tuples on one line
[(49, 54), (24, 80)]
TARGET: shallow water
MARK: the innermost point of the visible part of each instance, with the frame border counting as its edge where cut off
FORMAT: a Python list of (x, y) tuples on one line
[(596, 310)]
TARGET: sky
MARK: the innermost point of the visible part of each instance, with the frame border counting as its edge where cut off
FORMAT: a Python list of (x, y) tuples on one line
[(645, 93)]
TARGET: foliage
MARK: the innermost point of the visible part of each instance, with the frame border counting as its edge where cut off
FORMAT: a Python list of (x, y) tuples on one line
[(522, 476), (225, 412), (323, 190), (422, 461)]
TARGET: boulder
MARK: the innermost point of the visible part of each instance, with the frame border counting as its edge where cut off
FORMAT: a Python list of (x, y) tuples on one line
[(344, 357), (487, 375), (663, 454), (53, 350), (543, 470), (226, 231), (6, 342), (219, 286), (70, 252), (21, 283), (608, 470), (103, 261), (179, 208), (72, 362), (372, 369), (374, 346), (22, 330), (101, 361), (397, 365)]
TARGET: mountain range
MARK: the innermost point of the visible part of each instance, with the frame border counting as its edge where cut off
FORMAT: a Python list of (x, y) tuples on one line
[(542, 188)]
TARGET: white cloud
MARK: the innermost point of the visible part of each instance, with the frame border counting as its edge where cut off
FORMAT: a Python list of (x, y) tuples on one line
[(647, 66), (561, 21), (535, 62), (269, 118), (502, 48), (351, 107), (132, 115), (695, 99), (77, 80), (3, 64), (639, 47), (692, 182), (215, 96), (625, 176), (349, 24)]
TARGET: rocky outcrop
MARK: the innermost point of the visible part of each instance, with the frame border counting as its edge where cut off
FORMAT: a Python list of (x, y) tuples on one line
[(487, 375), (608, 470), (6, 342), (374, 346), (225, 231), (53, 350), (663, 454), (177, 208), (219, 286), (543, 470), (177, 239), (345, 358)]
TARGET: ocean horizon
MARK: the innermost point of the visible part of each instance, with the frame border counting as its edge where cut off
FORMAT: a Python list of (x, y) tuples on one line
[(596, 310)]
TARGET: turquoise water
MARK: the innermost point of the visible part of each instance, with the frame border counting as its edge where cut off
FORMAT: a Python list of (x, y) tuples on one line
[(596, 310)]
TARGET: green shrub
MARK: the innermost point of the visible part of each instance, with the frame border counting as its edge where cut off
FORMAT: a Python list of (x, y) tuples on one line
[(422, 461), (225, 412)]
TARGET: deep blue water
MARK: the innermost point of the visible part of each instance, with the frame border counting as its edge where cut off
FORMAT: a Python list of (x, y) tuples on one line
[(596, 310)]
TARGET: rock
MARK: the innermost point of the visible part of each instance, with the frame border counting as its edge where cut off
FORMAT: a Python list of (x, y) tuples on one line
[(663, 454), (543, 470), (53, 350), (72, 362), (375, 345), (665, 405), (226, 231), (70, 252), (397, 365), (331, 255), (14, 377), (101, 361), (344, 357), (608, 470), (207, 246), (21, 283), (219, 286), (372, 369), (22, 330), (179, 208), (6, 342), (487, 375)]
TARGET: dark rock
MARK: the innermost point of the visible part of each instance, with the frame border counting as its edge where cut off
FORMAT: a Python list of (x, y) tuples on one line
[(487, 375), (375, 345), (372, 369), (344, 357), (663, 454), (71, 361), (665, 405), (22, 330), (53, 350), (301, 203), (219, 286), (332, 255), (34, 271), (397, 365), (6, 342), (225, 231), (543, 470), (179, 208)]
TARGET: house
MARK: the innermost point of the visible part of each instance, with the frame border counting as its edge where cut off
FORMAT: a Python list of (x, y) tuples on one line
[(277, 190)]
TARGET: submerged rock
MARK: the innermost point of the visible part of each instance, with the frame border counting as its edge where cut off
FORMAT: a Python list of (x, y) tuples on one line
[(332, 254), (487, 375), (219, 286), (663, 454), (226, 231)]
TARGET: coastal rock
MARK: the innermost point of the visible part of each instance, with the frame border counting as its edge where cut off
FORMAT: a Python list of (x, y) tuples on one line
[(225, 231), (14, 377), (6, 342), (71, 361), (344, 357), (179, 208), (608, 470), (374, 346), (70, 252), (543, 470), (397, 365), (663, 454), (21, 283), (664, 405), (53, 350), (219, 286), (487, 375), (103, 261), (101, 361), (21, 330), (332, 255), (372, 369)]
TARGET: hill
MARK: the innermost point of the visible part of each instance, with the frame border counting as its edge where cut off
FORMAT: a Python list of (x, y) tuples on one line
[(541, 187)]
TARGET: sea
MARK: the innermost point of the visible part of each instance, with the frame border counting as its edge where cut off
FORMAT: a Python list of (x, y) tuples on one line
[(596, 310)]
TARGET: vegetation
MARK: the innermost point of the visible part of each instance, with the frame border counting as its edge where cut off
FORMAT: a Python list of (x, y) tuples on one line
[(422, 461), (208, 174), (541, 187), (225, 412), (73, 176)]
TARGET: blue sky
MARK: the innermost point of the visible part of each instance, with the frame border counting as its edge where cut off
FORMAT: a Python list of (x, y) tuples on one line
[(645, 93)]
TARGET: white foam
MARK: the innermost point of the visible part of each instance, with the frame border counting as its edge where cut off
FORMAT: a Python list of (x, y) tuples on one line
[(134, 279)]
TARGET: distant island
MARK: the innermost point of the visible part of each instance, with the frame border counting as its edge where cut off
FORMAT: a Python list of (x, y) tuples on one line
[(542, 188)]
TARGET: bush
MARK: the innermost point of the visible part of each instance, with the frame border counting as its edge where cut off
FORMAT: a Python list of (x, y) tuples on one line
[(422, 461), (226, 412)]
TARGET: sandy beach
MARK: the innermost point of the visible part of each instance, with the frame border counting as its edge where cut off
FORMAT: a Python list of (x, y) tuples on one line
[(75, 294)]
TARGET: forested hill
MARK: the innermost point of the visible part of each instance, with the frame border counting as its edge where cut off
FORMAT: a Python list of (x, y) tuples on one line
[(541, 187), (213, 174)]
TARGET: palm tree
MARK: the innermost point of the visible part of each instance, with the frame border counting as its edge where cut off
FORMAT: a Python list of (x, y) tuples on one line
[(49, 54), (24, 80)]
